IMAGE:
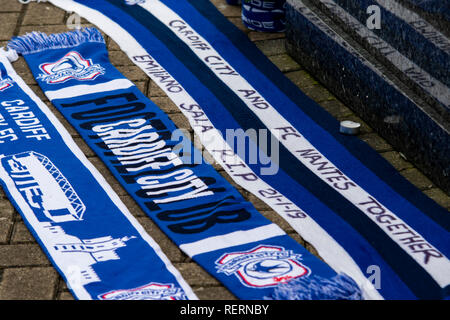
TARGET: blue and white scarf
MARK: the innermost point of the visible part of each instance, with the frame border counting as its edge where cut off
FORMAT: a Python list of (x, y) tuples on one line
[(97, 246), (336, 191), (193, 204)]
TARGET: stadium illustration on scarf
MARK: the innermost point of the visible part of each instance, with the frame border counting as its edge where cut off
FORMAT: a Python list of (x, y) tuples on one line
[(335, 191)]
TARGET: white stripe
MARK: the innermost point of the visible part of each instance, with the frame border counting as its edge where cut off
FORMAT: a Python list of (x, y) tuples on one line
[(273, 120), (232, 239), (84, 89), (328, 248)]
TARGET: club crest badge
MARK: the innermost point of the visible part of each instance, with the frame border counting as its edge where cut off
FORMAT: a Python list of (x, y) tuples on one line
[(151, 291), (71, 66), (263, 266)]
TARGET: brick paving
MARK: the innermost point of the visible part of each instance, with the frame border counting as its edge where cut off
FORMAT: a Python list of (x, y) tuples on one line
[(26, 273)]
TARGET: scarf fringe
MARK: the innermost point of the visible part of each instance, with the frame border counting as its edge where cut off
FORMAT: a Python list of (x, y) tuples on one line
[(38, 41), (340, 287)]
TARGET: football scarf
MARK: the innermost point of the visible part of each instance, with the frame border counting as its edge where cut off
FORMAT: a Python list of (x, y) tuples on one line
[(88, 234), (339, 194), (264, 15), (158, 166)]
